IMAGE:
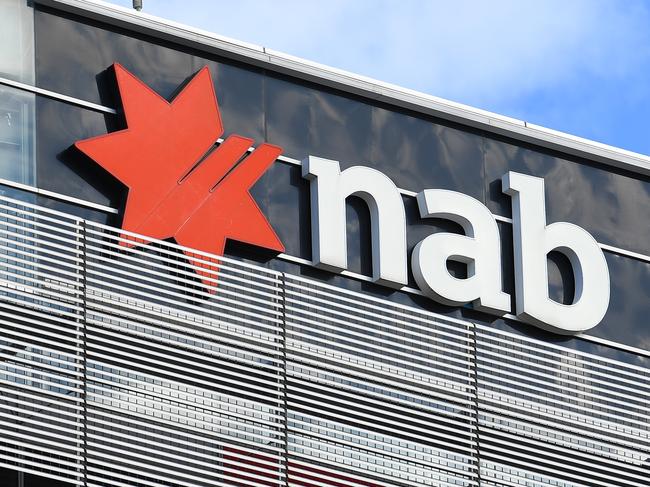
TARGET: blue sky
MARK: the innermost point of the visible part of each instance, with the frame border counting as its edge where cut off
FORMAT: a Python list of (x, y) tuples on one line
[(579, 66)]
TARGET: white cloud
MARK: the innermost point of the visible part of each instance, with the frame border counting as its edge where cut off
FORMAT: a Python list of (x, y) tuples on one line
[(469, 50)]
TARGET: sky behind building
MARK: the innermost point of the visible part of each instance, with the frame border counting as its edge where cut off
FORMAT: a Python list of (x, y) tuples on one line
[(582, 67)]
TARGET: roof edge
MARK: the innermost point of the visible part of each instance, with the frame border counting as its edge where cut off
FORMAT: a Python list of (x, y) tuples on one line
[(355, 84)]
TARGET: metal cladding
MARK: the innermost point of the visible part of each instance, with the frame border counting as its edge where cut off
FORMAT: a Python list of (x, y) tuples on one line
[(123, 368), (352, 310)]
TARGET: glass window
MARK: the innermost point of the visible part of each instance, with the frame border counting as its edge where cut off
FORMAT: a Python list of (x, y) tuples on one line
[(16, 106), (17, 41), (16, 135)]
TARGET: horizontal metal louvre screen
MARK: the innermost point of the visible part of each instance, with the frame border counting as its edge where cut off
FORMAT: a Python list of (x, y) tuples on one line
[(552, 416), (377, 388), (41, 321), (124, 364), (184, 376)]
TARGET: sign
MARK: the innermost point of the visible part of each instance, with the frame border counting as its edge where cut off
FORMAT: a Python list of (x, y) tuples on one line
[(182, 185), (479, 248)]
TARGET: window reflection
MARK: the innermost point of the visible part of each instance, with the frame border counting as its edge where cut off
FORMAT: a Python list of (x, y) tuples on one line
[(16, 135), (17, 41), (16, 107)]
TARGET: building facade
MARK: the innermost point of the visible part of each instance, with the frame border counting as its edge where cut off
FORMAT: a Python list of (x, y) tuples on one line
[(239, 291)]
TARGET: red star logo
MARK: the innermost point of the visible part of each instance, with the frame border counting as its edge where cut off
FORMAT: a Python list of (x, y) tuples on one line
[(180, 185)]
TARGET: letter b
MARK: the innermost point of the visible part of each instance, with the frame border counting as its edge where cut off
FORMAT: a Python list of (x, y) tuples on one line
[(533, 240)]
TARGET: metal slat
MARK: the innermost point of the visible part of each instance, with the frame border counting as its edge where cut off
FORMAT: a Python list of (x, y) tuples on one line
[(121, 358)]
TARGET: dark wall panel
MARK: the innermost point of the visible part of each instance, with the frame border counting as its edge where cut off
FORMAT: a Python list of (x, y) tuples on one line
[(418, 153), (60, 167), (75, 59), (610, 205)]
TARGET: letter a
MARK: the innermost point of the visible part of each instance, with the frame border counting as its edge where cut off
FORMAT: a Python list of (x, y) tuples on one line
[(479, 248)]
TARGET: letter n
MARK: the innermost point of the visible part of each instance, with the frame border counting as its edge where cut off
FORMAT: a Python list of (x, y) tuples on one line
[(329, 189)]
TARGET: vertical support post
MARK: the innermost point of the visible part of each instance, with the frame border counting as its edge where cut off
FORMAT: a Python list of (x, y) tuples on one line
[(283, 338), (476, 412), (84, 350)]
